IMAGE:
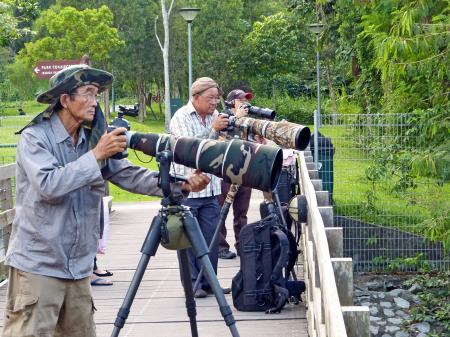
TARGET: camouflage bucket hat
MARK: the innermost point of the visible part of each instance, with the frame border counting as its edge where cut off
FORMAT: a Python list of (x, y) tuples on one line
[(72, 77)]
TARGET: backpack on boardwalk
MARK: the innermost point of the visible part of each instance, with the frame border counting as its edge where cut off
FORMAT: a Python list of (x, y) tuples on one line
[(259, 285)]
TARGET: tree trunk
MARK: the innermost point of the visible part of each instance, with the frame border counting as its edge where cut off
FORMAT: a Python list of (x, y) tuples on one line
[(107, 110), (159, 98), (165, 15)]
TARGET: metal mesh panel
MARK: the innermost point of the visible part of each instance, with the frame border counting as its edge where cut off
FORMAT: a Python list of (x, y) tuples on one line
[(377, 201)]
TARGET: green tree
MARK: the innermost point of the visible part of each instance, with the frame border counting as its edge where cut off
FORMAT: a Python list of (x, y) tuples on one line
[(276, 48), (68, 33), (8, 24), (217, 34)]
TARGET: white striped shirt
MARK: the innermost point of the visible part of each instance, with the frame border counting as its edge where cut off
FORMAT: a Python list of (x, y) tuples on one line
[(187, 122)]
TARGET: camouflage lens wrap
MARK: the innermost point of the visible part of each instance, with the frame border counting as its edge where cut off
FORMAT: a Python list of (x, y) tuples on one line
[(186, 151), (237, 162), (253, 165), (286, 134), (149, 143)]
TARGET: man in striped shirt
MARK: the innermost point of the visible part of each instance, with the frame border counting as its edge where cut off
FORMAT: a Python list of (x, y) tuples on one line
[(199, 118)]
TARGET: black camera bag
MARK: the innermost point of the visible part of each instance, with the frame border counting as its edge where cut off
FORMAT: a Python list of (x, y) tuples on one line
[(259, 285)]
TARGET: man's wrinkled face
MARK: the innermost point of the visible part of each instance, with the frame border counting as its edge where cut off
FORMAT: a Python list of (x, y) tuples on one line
[(82, 103), (206, 102)]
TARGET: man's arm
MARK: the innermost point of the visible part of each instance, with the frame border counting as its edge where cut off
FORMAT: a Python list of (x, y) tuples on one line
[(45, 172)]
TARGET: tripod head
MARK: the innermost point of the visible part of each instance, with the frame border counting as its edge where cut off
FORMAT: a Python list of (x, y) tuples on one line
[(172, 193)]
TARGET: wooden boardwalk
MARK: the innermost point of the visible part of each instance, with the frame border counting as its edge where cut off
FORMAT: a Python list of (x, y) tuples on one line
[(158, 309)]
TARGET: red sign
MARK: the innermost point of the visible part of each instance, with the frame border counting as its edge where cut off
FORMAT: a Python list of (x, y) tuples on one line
[(46, 69)]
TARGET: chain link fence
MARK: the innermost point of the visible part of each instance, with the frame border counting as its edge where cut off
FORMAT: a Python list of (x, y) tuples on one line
[(383, 207)]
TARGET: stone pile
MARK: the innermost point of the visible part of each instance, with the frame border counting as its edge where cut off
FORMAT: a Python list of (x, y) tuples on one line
[(389, 306)]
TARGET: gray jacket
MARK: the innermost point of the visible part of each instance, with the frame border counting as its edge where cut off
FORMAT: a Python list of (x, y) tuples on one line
[(58, 190)]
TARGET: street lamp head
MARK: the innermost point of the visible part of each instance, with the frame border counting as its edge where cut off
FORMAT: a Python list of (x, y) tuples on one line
[(189, 14), (316, 28)]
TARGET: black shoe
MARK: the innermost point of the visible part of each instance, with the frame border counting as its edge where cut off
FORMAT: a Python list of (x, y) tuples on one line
[(224, 290), (200, 293), (226, 254)]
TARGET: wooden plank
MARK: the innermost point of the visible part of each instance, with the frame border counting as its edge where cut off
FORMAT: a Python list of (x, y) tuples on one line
[(7, 217), (317, 184), (6, 200), (356, 321), (327, 215), (7, 171), (335, 239), (343, 273), (310, 166), (334, 321), (159, 307), (323, 198), (313, 174)]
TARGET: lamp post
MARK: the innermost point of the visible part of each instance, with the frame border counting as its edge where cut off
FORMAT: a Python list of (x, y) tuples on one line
[(189, 15), (317, 28)]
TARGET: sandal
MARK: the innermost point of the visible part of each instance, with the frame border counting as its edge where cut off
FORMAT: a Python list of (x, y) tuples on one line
[(100, 282), (105, 274)]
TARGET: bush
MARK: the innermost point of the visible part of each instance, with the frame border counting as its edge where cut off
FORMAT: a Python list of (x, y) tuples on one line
[(295, 110)]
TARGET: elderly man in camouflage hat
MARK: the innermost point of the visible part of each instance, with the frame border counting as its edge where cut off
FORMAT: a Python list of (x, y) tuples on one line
[(199, 118), (63, 160)]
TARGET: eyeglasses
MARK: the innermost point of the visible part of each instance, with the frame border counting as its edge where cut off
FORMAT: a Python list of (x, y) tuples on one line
[(87, 97), (211, 98)]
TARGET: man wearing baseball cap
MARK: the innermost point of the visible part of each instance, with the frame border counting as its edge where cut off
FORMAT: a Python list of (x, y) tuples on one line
[(241, 202), (63, 160)]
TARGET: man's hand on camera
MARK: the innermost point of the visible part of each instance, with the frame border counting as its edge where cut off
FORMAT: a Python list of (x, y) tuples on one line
[(241, 111), (220, 122), (196, 182), (110, 143)]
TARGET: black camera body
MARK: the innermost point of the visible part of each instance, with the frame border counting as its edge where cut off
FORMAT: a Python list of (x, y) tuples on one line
[(119, 122), (254, 111)]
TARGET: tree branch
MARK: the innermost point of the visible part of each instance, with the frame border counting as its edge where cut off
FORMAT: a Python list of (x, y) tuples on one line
[(423, 60), (170, 8), (156, 34)]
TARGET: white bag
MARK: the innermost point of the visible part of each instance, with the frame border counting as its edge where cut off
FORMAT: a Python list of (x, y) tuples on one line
[(103, 241)]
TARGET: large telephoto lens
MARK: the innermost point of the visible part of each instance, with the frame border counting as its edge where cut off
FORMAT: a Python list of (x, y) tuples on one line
[(289, 135), (261, 112), (237, 162)]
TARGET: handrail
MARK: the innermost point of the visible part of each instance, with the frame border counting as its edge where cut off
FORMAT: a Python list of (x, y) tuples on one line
[(7, 211), (329, 280)]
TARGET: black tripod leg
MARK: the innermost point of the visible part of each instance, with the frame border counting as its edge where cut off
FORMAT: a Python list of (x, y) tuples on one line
[(148, 249), (188, 293), (222, 218), (192, 230)]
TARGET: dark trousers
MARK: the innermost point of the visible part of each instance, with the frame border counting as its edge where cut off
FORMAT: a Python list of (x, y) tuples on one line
[(206, 210), (240, 205)]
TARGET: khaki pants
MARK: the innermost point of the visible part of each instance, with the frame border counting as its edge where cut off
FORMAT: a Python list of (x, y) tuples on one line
[(42, 306)]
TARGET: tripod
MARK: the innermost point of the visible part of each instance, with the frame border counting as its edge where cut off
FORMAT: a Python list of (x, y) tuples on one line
[(171, 205)]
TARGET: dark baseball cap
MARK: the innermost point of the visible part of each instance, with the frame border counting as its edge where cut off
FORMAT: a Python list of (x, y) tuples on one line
[(239, 94)]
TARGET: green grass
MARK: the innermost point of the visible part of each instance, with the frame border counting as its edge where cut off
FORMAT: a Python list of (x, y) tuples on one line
[(352, 190), (12, 124)]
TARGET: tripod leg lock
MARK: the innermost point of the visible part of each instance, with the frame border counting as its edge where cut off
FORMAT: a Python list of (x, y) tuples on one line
[(227, 314), (122, 316)]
